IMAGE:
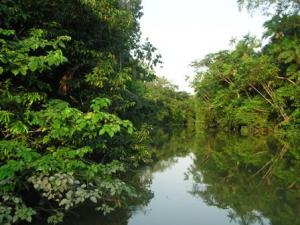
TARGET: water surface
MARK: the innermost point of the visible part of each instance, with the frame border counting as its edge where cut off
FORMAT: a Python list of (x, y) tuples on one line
[(211, 180)]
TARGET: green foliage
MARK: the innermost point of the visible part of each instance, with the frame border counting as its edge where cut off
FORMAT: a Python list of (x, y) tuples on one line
[(65, 76), (253, 86), (56, 172), (252, 89), (16, 55), (14, 211), (164, 106), (281, 6)]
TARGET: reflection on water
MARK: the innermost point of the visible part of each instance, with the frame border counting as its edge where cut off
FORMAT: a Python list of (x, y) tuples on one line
[(257, 179), (216, 179)]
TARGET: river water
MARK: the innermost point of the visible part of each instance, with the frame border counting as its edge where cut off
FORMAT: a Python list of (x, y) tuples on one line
[(211, 180)]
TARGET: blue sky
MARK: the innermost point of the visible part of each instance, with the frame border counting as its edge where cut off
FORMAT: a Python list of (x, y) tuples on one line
[(186, 30)]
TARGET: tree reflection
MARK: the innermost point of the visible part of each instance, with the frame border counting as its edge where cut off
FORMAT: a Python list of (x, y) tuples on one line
[(255, 179), (167, 147)]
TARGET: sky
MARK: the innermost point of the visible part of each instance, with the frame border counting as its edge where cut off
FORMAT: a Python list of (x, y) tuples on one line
[(186, 30)]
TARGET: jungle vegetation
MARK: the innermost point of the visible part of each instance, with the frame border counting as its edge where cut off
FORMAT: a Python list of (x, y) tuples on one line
[(77, 101), (252, 90), (255, 86)]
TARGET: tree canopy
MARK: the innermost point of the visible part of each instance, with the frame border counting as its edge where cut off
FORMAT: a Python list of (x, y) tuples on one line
[(72, 74), (254, 86)]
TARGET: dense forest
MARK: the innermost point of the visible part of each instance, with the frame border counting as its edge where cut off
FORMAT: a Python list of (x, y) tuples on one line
[(81, 105), (78, 101), (255, 87)]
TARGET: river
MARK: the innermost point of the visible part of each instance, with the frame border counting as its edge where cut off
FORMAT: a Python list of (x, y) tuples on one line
[(211, 180)]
